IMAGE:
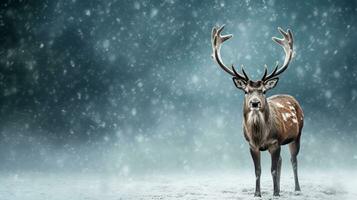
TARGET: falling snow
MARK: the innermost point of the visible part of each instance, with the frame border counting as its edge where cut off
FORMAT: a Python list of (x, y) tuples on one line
[(129, 88)]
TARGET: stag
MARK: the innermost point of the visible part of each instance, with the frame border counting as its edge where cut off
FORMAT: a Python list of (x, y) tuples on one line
[(270, 122)]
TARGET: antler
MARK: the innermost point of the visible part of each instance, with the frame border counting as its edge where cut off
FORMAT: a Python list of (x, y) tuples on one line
[(287, 44), (217, 40)]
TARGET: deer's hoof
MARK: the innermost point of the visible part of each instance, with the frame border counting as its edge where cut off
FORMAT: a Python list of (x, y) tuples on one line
[(276, 194), (257, 194)]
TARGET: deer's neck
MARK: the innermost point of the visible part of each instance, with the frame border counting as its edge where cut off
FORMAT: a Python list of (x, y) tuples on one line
[(257, 125)]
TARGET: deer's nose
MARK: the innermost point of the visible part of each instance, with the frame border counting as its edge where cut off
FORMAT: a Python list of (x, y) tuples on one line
[(255, 103)]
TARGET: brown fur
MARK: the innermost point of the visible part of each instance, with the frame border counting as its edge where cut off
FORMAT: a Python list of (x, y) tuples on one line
[(288, 117), (281, 121)]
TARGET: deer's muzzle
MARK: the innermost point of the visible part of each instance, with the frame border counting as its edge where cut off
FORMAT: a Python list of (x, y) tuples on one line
[(255, 104)]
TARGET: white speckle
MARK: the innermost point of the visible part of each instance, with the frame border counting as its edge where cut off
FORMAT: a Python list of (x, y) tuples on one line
[(354, 94), (139, 138), (106, 44), (336, 74), (220, 122), (300, 72), (328, 94), (72, 63), (315, 13), (140, 84), (133, 111), (88, 13), (137, 5), (153, 12), (195, 79), (41, 45)]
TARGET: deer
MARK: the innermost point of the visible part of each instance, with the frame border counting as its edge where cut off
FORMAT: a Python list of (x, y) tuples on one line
[(268, 123)]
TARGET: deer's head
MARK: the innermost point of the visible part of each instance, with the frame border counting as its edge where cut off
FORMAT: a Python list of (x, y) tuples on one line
[(255, 99)]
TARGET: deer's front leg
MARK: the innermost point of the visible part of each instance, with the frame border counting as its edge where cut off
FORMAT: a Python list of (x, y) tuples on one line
[(275, 156), (256, 159)]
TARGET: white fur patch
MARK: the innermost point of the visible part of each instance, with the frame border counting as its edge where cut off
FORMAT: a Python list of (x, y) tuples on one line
[(279, 105), (283, 116), (286, 116), (294, 120)]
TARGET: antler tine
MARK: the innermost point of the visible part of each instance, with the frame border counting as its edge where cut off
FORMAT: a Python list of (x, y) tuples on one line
[(287, 43), (245, 74), (238, 75), (217, 40)]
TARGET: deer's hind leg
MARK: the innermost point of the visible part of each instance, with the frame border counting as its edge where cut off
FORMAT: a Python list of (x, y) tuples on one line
[(294, 151)]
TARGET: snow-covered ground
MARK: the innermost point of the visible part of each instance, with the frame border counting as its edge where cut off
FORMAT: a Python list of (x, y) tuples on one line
[(240, 186)]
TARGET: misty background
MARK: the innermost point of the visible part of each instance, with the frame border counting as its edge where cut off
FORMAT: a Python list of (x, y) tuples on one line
[(129, 86)]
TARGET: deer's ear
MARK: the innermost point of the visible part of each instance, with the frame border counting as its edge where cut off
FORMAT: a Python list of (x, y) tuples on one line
[(270, 84), (239, 83)]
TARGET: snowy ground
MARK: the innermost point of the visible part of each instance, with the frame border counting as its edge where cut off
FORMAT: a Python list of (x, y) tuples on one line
[(208, 186)]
